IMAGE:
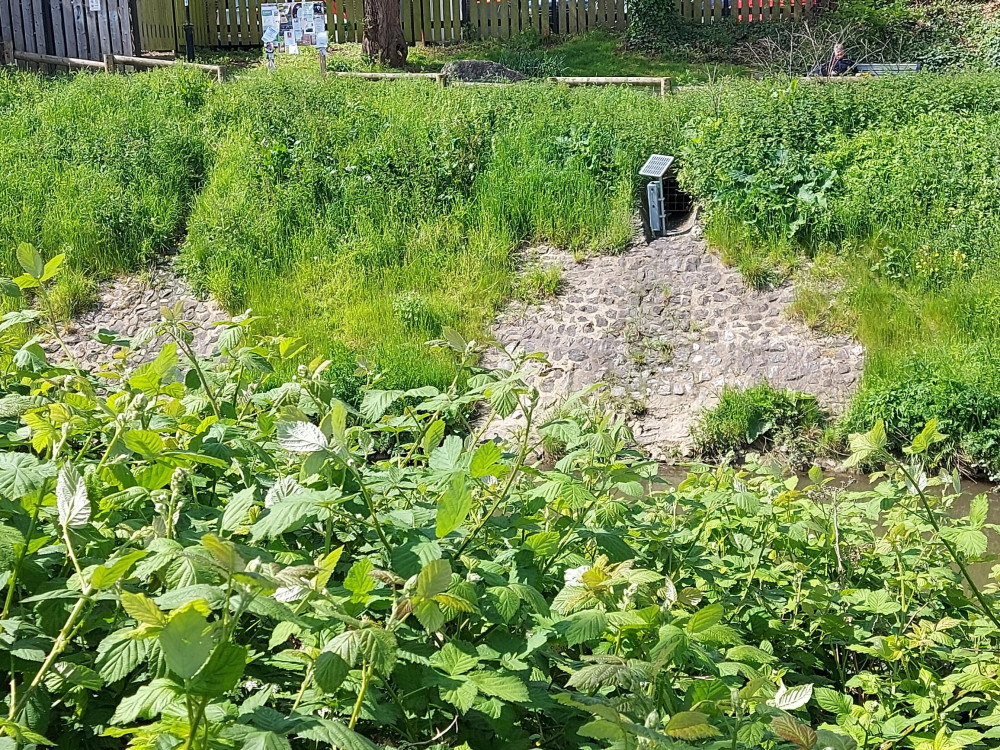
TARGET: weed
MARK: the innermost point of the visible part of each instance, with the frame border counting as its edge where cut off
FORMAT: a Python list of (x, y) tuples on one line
[(537, 283)]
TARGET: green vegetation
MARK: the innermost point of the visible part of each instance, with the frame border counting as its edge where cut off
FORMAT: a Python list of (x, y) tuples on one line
[(885, 190), (201, 555), (760, 417), (939, 34), (325, 206), (99, 167), (366, 217)]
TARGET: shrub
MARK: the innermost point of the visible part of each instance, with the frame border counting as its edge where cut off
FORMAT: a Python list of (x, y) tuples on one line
[(202, 554), (754, 418)]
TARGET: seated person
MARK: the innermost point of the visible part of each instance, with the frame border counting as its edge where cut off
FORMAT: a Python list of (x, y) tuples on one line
[(839, 65)]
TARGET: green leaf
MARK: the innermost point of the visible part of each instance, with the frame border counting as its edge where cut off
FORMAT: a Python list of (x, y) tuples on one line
[(971, 542), (453, 507), (584, 626), (504, 687), (448, 457), (52, 267), (142, 609), (705, 618), (434, 578), (374, 404), (119, 655), (485, 459), (506, 601), (21, 473), (460, 692), (359, 581), (146, 443), (600, 729), (979, 508), (833, 701), (433, 436), (236, 510), (429, 613), (690, 725), (30, 260), (864, 445), (221, 672), (290, 514), (453, 660), (922, 442), (187, 640), (329, 671), (107, 575), (827, 740), (148, 702), (333, 733), (265, 741), (301, 437), (9, 289)]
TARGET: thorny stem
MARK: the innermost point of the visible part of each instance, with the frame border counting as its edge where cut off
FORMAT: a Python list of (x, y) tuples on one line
[(189, 353), (53, 321), (370, 502), (61, 642), (987, 609), (302, 689), (514, 471)]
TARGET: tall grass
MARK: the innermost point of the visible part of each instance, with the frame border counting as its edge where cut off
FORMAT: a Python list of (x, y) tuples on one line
[(329, 201), (100, 167)]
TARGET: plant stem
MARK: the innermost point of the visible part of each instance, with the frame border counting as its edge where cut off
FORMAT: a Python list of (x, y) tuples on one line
[(189, 353), (193, 725), (366, 675), (53, 321), (514, 471), (302, 689), (370, 502), (12, 583), (987, 609)]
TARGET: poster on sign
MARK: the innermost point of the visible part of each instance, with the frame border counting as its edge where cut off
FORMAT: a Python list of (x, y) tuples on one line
[(291, 25)]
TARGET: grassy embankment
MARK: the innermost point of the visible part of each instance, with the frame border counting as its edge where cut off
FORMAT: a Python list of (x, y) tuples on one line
[(367, 217)]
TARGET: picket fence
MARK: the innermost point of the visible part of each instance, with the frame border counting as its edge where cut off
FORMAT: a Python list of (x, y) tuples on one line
[(745, 11)]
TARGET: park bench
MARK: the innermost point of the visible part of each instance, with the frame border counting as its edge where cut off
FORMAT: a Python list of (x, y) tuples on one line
[(886, 69)]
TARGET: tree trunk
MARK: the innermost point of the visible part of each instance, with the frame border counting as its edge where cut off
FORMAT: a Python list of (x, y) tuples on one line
[(383, 33)]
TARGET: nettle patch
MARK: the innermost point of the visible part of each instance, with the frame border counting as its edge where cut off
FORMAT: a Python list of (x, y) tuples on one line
[(198, 554)]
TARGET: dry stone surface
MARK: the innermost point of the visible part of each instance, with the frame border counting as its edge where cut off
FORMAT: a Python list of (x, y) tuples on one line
[(131, 303), (666, 326)]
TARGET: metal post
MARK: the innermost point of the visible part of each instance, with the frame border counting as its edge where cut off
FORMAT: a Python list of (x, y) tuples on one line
[(188, 32)]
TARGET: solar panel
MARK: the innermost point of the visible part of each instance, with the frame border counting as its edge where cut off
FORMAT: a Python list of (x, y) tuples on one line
[(656, 166)]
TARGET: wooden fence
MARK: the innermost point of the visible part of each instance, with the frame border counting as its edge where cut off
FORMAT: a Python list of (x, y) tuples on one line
[(744, 11), (85, 29), (236, 23), (90, 29)]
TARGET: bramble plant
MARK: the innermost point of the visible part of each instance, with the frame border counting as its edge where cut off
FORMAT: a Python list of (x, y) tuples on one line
[(202, 554)]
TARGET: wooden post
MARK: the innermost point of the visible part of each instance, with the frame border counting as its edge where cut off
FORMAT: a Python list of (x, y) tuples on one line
[(109, 63), (322, 62), (7, 53), (664, 86), (441, 79)]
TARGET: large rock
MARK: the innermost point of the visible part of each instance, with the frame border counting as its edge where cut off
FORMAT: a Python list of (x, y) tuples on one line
[(481, 70)]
